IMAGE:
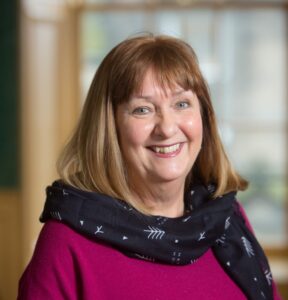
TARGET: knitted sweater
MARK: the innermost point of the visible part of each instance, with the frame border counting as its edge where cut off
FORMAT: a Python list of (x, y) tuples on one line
[(67, 265)]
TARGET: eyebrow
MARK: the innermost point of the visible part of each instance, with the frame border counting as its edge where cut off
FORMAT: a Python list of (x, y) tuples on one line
[(174, 94)]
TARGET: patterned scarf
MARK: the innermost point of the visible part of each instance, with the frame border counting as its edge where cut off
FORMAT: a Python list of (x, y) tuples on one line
[(211, 223)]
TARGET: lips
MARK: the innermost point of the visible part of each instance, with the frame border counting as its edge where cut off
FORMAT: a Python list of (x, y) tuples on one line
[(166, 151)]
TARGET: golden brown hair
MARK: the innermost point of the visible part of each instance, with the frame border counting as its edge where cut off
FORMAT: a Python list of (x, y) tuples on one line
[(92, 159)]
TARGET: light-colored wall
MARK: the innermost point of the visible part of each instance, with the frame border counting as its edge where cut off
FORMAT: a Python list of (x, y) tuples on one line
[(49, 108), (49, 104)]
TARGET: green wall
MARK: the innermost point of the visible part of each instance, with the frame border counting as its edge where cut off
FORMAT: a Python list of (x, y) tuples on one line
[(9, 95)]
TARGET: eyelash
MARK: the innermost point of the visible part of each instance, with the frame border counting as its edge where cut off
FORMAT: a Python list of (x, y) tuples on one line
[(143, 110), (186, 102), (139, 110)]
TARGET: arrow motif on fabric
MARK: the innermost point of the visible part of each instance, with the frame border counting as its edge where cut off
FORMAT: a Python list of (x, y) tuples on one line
[(248, 246), (227, 223), (176, 258), (56, 215), (268, 275), (221, 240), (99, 230), (263, 295), (148, 258), (127, 207), (65, 193), (186, 219), (154, 233), (202, 236), (161, 220)]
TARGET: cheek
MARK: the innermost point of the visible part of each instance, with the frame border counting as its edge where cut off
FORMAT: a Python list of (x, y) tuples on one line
[(134, 133), (193, 127)]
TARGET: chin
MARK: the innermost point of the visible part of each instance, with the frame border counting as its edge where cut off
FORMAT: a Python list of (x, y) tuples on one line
[(171, 176)]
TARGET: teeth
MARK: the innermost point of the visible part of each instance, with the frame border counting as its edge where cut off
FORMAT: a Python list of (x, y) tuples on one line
[(166, 149)]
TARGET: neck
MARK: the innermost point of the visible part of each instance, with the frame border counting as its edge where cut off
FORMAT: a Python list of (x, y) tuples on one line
[(161, 199)]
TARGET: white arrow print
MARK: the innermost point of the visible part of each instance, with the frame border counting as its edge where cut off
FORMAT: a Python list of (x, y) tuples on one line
[(202, 236), (145, 257), (221, 240), (155, 233), (186, 219), (227, 223), (248, 246), (263, 295), (65, 193), (268, 275), (99, 230), (56, 215)]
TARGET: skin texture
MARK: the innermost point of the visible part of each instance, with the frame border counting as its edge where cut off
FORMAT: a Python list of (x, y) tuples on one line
[(156, 118)]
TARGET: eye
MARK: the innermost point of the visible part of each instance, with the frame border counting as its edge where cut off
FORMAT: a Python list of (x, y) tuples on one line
[(142, 110), (183, 104)]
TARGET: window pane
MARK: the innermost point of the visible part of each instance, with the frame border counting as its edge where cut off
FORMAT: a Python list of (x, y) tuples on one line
[(100, 32), (251, 96)]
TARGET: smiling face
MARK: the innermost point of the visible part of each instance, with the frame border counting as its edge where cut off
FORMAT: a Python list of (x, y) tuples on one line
[(160, 133)]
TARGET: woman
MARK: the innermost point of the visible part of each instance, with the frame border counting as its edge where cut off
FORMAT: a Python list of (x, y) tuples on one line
[(145, 208)]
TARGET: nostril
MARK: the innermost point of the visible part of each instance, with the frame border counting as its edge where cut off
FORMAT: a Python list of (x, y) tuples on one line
[(166, 127)]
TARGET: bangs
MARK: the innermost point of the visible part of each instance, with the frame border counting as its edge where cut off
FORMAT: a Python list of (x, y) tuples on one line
[(171, 66), (167, 77)]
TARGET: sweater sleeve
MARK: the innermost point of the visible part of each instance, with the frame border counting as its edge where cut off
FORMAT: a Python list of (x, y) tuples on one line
[(276, 294), (50, 274)]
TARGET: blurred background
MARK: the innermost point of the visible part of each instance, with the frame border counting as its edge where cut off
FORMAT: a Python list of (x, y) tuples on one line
[(49, 51)]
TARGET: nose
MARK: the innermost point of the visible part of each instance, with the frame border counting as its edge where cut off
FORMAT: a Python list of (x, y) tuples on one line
[(166, 125)]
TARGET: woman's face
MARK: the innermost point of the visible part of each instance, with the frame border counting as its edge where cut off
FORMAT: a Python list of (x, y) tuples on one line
[(160, 133)]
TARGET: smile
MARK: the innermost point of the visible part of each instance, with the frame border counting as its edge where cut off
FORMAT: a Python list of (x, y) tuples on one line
[(167, 149)]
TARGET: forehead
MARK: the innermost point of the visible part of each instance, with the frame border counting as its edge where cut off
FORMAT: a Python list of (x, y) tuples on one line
[(154, 83)]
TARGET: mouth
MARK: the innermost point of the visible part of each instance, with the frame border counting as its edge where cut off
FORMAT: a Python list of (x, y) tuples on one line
[(169, 150)]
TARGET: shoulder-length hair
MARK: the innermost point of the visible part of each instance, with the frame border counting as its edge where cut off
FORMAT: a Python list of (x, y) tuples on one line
[(92, 159)]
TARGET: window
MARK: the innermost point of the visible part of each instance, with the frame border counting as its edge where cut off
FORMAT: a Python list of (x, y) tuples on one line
[(243, 55)]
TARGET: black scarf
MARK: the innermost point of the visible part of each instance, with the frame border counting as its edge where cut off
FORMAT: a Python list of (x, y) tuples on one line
[(211, 223)]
